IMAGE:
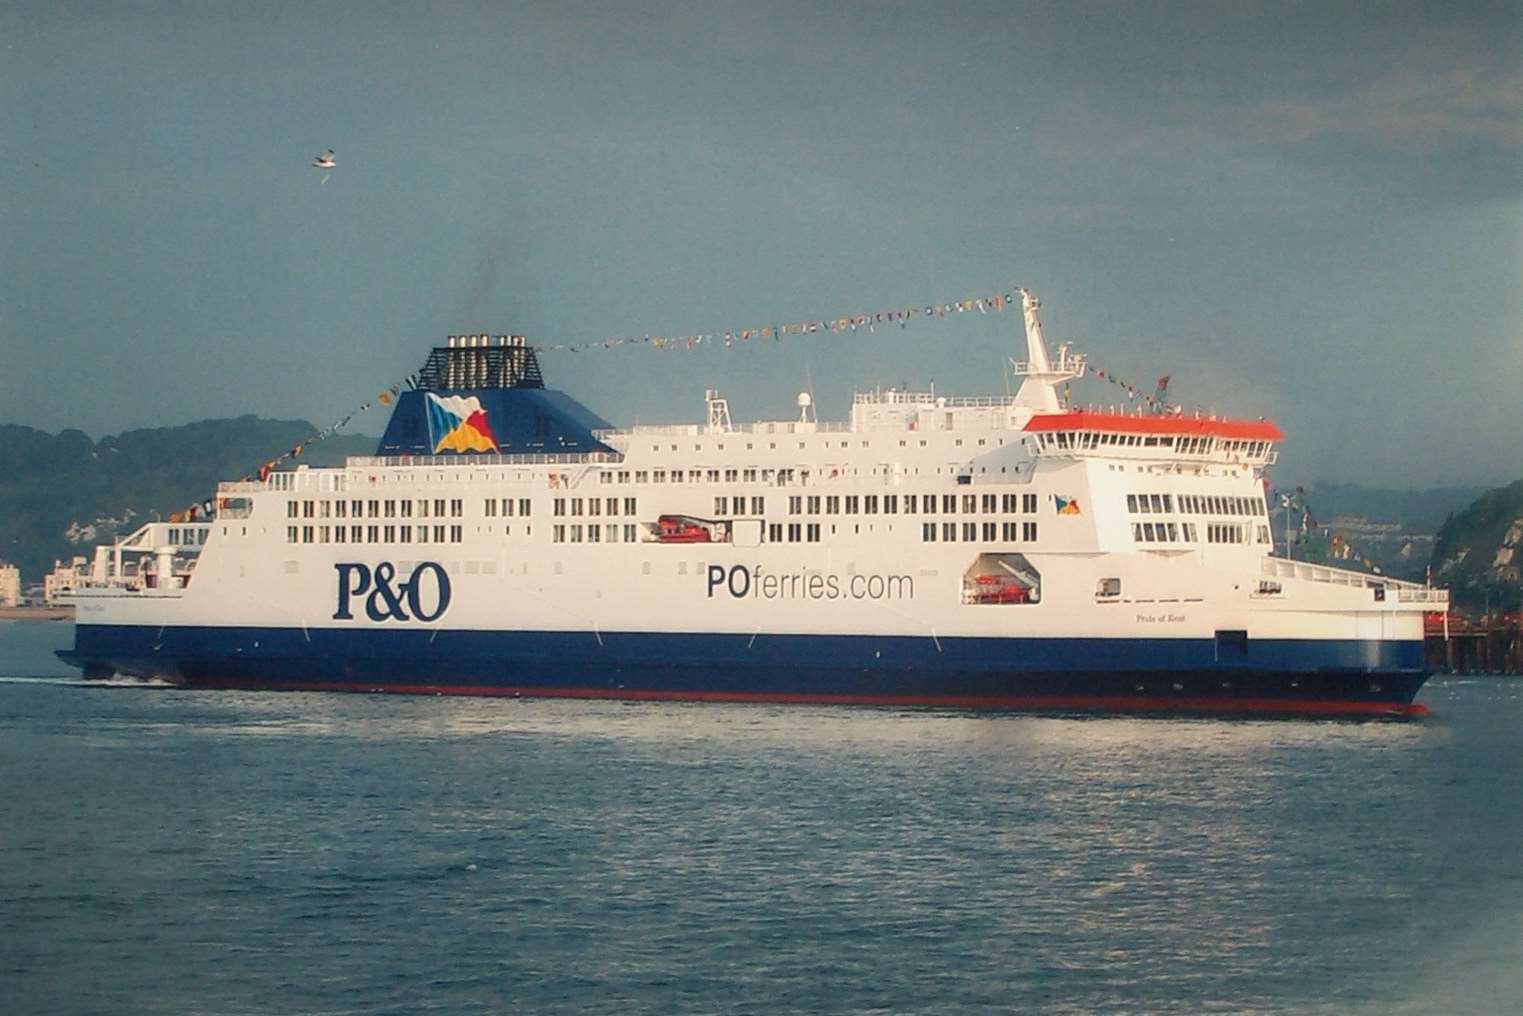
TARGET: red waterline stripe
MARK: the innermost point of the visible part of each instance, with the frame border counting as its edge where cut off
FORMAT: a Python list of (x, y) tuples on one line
[(1121, 703)]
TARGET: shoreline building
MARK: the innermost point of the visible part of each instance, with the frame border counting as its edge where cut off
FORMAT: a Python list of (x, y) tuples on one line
[(10, 585)]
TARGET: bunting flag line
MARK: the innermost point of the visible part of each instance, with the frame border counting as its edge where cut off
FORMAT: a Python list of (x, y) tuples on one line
[(838, 324), (834, 324), (1294, 503), (205, 509)]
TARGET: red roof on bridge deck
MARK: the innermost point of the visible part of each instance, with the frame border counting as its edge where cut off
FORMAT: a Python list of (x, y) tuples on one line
[(1253, 430)]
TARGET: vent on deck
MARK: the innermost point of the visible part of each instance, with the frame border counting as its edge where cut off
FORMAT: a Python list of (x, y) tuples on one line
[(481, 361)]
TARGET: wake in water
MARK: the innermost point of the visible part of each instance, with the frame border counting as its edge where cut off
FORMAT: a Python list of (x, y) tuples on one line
[(116, 681)]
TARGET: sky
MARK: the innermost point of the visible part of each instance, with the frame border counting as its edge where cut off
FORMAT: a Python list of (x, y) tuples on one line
[(1312, 212)]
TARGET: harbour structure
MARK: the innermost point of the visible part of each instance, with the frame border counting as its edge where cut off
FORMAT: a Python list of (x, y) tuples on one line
[(986, 551)]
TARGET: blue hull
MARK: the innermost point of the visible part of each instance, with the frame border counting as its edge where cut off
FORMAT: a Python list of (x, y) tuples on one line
[(1207, 675)]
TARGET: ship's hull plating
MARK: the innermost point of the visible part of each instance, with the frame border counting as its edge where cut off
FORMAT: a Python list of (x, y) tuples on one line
[(1290, 676)]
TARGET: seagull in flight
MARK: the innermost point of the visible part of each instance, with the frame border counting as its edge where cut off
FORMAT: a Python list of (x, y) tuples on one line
[(325, 162)]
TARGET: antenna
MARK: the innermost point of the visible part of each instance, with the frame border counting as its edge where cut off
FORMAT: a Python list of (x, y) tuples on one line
[(1038, 391), (719, 411)]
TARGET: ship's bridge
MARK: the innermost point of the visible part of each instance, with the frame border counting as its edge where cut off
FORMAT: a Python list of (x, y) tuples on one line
[(1102, 434)]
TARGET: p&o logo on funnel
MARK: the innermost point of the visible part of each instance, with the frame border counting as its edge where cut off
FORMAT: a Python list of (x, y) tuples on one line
[(459, 424)]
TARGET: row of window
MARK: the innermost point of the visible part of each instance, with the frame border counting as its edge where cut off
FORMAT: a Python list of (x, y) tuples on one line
[(1185, 532), (868, 504), (504, 506), (795, 532), (389, 508), (375, 534), (737, 505), (592, 506), (1183, 444), (705, 475), (1225, 532), (1249, 448), (1193, 504), (814, 504), (1198, 504), (1163, 532), (972, 532), (593, 533)]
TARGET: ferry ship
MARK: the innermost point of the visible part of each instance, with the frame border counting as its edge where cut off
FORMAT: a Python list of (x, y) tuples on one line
[(999, 552)]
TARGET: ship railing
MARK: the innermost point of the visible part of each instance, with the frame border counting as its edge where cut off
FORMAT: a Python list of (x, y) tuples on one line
[(523, 459), (1406, 592), (697, 430), (1421, 594), (895, 397)]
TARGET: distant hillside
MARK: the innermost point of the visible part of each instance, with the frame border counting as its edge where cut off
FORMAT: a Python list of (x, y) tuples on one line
[(62, 493), (1479, 551), (1415, 510), (1370, 528)]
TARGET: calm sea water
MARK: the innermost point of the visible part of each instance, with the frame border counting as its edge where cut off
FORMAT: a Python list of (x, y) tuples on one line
[(164, 851)]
